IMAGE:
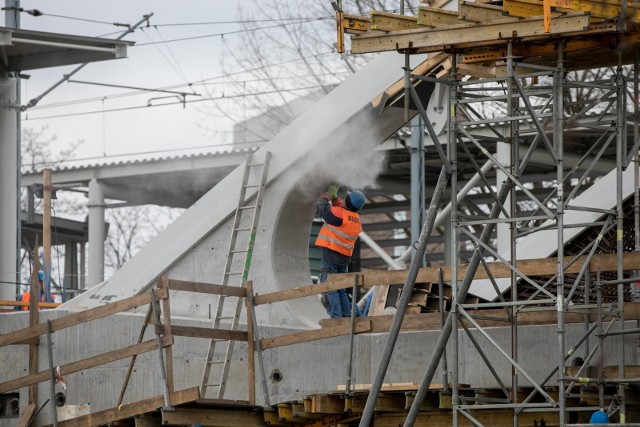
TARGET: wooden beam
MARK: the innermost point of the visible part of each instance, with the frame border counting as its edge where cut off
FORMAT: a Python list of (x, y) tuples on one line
[(78, 318), (209, 333), (495, 32), (163, 284), (479, 12), (7, 303), (251, 345), (494, 418), (207, 288), (364, 325), (531, 267), (211, 417), (434, 17), (431, 321), (131, 409), (25, 415), (335, 282), (83, 364), (609, 9), (34, 347), (385, 21), (549, 48)]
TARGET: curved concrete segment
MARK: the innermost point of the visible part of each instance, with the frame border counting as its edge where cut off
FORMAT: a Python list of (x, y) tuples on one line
[(333, 141)]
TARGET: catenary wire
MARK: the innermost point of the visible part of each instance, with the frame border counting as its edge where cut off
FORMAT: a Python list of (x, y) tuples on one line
[(138, 107)]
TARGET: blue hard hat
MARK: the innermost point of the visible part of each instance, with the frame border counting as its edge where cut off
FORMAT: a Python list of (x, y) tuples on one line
[(355, 199), (599, 417), (40, 275)]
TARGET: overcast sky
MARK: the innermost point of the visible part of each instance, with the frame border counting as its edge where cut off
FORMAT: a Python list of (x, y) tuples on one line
[(147, 65)]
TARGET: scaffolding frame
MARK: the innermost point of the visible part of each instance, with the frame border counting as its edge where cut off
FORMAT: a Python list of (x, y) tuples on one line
[(529, 106)]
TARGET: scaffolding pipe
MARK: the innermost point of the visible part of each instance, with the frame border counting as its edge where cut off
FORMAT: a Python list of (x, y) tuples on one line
[(620, 155), (393, 264), (446, 331), (407, 290), (446, 211), (558, 142), (452, 153)]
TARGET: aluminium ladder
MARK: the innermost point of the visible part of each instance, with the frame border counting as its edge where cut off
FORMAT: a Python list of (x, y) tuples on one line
[(236, 257)]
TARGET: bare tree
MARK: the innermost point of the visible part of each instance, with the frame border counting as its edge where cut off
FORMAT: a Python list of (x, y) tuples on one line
[(130, 229), (286, 51)]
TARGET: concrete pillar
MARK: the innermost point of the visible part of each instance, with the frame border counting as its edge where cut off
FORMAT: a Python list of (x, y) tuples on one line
[(82, 283), (96, 233), (71, 266), (9, 218)]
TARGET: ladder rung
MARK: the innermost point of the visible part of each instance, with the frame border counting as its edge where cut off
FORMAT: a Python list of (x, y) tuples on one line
[(248, 207), (243, 229), (252, 186), (215, 362), (229, 273), (240, 251), (225, 317), (212, 385), (255, 164)]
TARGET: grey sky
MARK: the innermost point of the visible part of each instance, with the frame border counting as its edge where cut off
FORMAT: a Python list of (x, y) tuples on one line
[(159, 65)]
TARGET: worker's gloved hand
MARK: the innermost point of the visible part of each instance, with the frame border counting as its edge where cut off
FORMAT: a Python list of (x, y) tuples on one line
[(333, 191), (337, 202)]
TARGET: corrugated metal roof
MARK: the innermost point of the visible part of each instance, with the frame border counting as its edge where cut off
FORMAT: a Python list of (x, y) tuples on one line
[(139, 160)]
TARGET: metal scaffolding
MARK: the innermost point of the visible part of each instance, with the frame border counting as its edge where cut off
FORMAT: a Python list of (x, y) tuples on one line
[(532, 107)]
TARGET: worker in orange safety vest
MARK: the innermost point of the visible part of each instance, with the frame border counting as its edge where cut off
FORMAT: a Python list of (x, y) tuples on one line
[(26, 296), (337, 239)]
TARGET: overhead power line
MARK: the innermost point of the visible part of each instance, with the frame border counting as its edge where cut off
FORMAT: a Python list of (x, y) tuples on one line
[(207, 81), (246, 30), (181, 102)]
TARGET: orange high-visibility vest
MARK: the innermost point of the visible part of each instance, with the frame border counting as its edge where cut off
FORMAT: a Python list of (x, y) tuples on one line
[(340, 239), (26, 297)]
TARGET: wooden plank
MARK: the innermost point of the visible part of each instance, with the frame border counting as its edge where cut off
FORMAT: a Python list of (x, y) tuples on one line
[(131, 409), (25, 414), (210, 333), (34, 347), (479, 12), (166, 313), (212, 417), (395, 387), (423, 69), (609, 9), (362, 325), (83, 364), (251, 365), (78, 318), (379, 302), (335, 282), (495, 32), (207, 288), (327, 404), (7, 303), (431, 321), (434, 17), (493, 418), (609, 372), (531, 267), (385, 21)]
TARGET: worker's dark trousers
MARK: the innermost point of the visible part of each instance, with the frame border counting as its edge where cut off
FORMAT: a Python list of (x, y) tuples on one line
[(337, 301)]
